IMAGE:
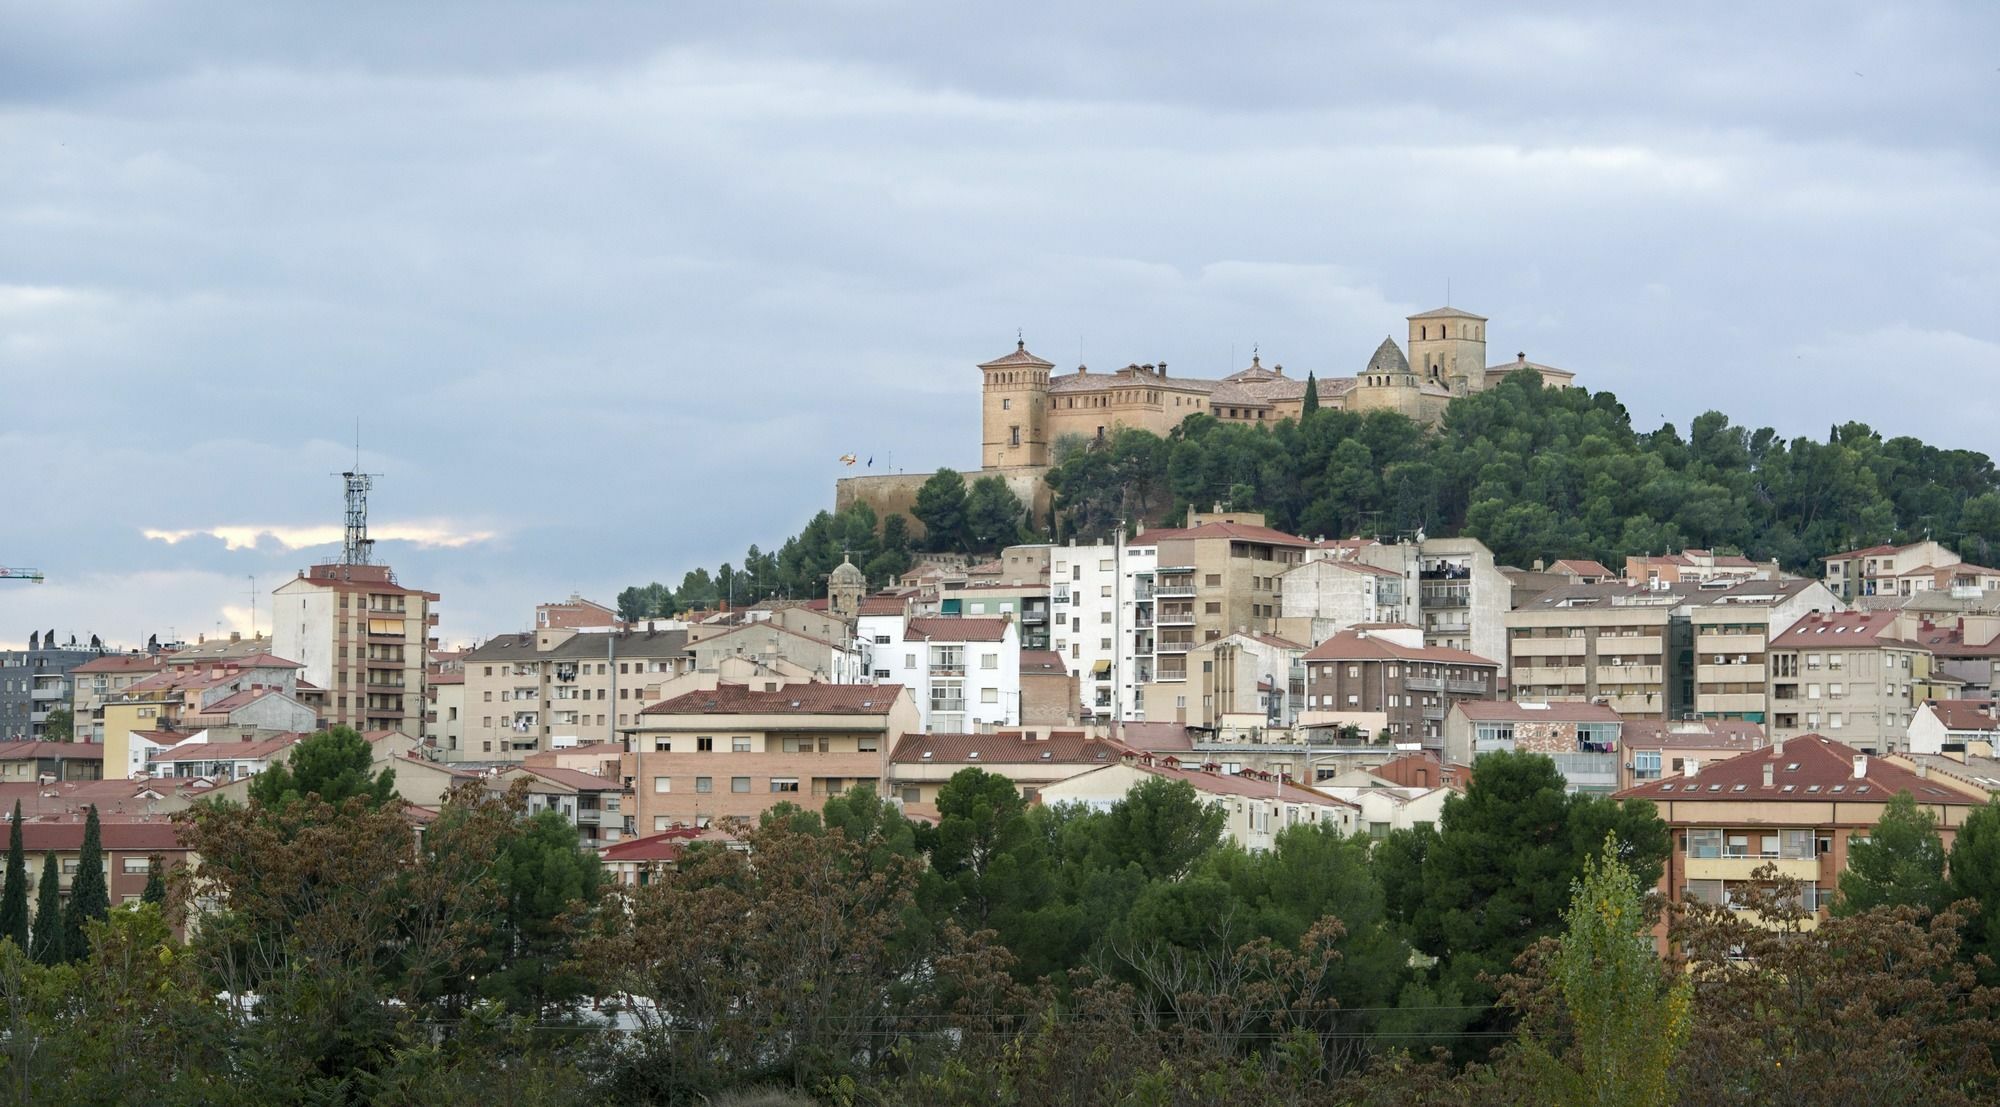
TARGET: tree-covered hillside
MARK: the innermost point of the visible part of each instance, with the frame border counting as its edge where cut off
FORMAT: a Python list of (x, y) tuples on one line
[(1532, 472)]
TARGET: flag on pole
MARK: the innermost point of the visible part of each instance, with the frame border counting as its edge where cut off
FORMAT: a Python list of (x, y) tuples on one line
[(847, 459)]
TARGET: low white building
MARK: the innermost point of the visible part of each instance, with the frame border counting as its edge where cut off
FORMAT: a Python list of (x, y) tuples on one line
[(1325, 596), (1958, 725), (1385, 805), (964, 672), (1257, 806)]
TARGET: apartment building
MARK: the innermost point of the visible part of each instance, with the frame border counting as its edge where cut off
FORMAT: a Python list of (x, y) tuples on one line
[(597, 806), (32, 762), (35, 682), (1581, 738), (1327, 595), (1625, 644), (254, 693), (834, 659), (733, 751), (1954, 727), (558, 687), (1885, 570), (1965, 650), (1246, 678), (102, 679), (1387, 682), (1797, 805), (965, 673), (129, 845), (1698, 567), (1856, 675), (363, 638), (1462, 596), (1048, 690), (1732, 630), (1656, 748), (1104, 622)]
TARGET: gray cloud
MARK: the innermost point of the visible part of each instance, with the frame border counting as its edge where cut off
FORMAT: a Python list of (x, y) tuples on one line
[(618, 284)]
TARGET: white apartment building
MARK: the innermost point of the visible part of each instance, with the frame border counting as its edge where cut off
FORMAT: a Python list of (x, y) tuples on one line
[(1102, 620), (1325, 596), (965, 673)]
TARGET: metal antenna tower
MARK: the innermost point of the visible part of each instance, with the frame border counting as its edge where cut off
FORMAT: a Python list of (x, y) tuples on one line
[(357, 548)]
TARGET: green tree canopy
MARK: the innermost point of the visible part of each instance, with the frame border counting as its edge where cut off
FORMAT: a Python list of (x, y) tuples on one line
[(941, 508), (89, 897), (1899, 864), (333, 765), (14, 893), (47, 941), (994, 516)]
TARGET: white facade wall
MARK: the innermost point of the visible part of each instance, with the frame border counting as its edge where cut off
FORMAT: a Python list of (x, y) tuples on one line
[(302, 629), (1100, 621), (1334, 595), (1253, 822), (989, 689)]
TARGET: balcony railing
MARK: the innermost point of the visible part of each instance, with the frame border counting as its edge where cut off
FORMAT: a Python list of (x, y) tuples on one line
[(1169, 643), (1475, 687), (1143, 593), (948, 706), (1173, 591), (1175, 617), (1423, 684)]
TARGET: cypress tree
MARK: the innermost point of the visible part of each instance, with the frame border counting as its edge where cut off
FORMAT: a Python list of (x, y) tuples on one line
[(1311, 403), (156, 881), (89, 899), (14, 896), (47, 943)]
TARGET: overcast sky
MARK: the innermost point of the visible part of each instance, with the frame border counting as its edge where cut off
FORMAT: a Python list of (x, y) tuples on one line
[(612, 287)]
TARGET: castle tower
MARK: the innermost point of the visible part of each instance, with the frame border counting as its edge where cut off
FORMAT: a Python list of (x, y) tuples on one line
[(845, 586), (1014, 410), (1448, 346)]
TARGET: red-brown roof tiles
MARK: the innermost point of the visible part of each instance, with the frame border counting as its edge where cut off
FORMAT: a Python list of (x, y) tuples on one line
[(1349, 646), (1810, 767), (955, 629), (796, 699)]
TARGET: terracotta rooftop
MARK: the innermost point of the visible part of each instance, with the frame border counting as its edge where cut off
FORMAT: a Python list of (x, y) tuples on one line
[(1810, 768), (35, 751), (1351, 646), (575, 778), (64, 834), (1968, 715), (1238, 532), (1846, 628), (1036, 662), (1583, 567), (226, 751), (955, 629), (1253, 785), (797, 699), (122, 663), (882, 605)]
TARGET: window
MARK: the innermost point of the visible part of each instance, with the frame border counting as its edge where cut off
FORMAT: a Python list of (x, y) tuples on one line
[(662, 785), (784, 784), (704, 784), (739, 744), (662, 745), (912, 795), (868, 743), (1704, 843), (739, 784), (1646, 765), (704, 745), (989, 661), (138, 866), (1214, 580), (989, 695), (660, 822)]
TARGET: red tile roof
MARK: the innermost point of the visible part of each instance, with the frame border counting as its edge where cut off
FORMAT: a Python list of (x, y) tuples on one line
[(1239, 532), (796, 699), (35, 751), (882, 605), (64, 834), (1349, 646), (1964, 714), (1846, 628), (955, 629), (575, 778), (122, 663), (1158, 737), (1258, 786), (1036, 662), (226, 751), (1583, 567), (1811, 768)]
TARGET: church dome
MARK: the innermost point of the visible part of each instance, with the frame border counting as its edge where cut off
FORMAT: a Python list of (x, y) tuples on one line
[(846, 573), (1388, 358)]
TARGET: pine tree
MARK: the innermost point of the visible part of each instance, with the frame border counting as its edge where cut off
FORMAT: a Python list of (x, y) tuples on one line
[(89, 899), (14, 896), (46, 944), (1312, 397), (156, 881)]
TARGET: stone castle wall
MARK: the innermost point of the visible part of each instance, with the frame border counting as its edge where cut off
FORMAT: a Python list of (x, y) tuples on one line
[(896, 493)]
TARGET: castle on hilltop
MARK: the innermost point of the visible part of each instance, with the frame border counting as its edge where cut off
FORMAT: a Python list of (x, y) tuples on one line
[(1026, 408)]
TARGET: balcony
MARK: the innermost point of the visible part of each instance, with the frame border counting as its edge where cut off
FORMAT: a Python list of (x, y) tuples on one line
[(1436, 710), (1174, 591), (1174, 643), (1729, 643), (1423, 684), (949, 707), (1448, 626), (1595, 771), (46, 693), (1740, 867), (1730, 702), (1730, 674), (1143, 593), (1163, 674), (1467, 687), (1536, 674), (1034, 615), (1628, 674)]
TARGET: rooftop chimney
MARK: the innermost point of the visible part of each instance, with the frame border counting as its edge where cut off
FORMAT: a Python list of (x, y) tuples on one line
[(1769, 769), (1778, 746), (1690, 766), (1860, 765), (1521, 358)]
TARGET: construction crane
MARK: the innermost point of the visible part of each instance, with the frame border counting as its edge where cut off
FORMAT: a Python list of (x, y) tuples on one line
[(34, 575)]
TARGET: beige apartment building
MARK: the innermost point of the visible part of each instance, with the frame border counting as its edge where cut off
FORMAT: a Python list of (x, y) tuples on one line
[(1732, 631), (102, 680), (1858, 676), (1219, 574), (556, 687), (363, 638), (1796, 805), (733, 752), (1625, 644), (1855, 575), (1246, 678)]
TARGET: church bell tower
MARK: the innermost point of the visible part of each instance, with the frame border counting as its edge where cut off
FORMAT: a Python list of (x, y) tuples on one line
[(1014, 410), (1448, 348)]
